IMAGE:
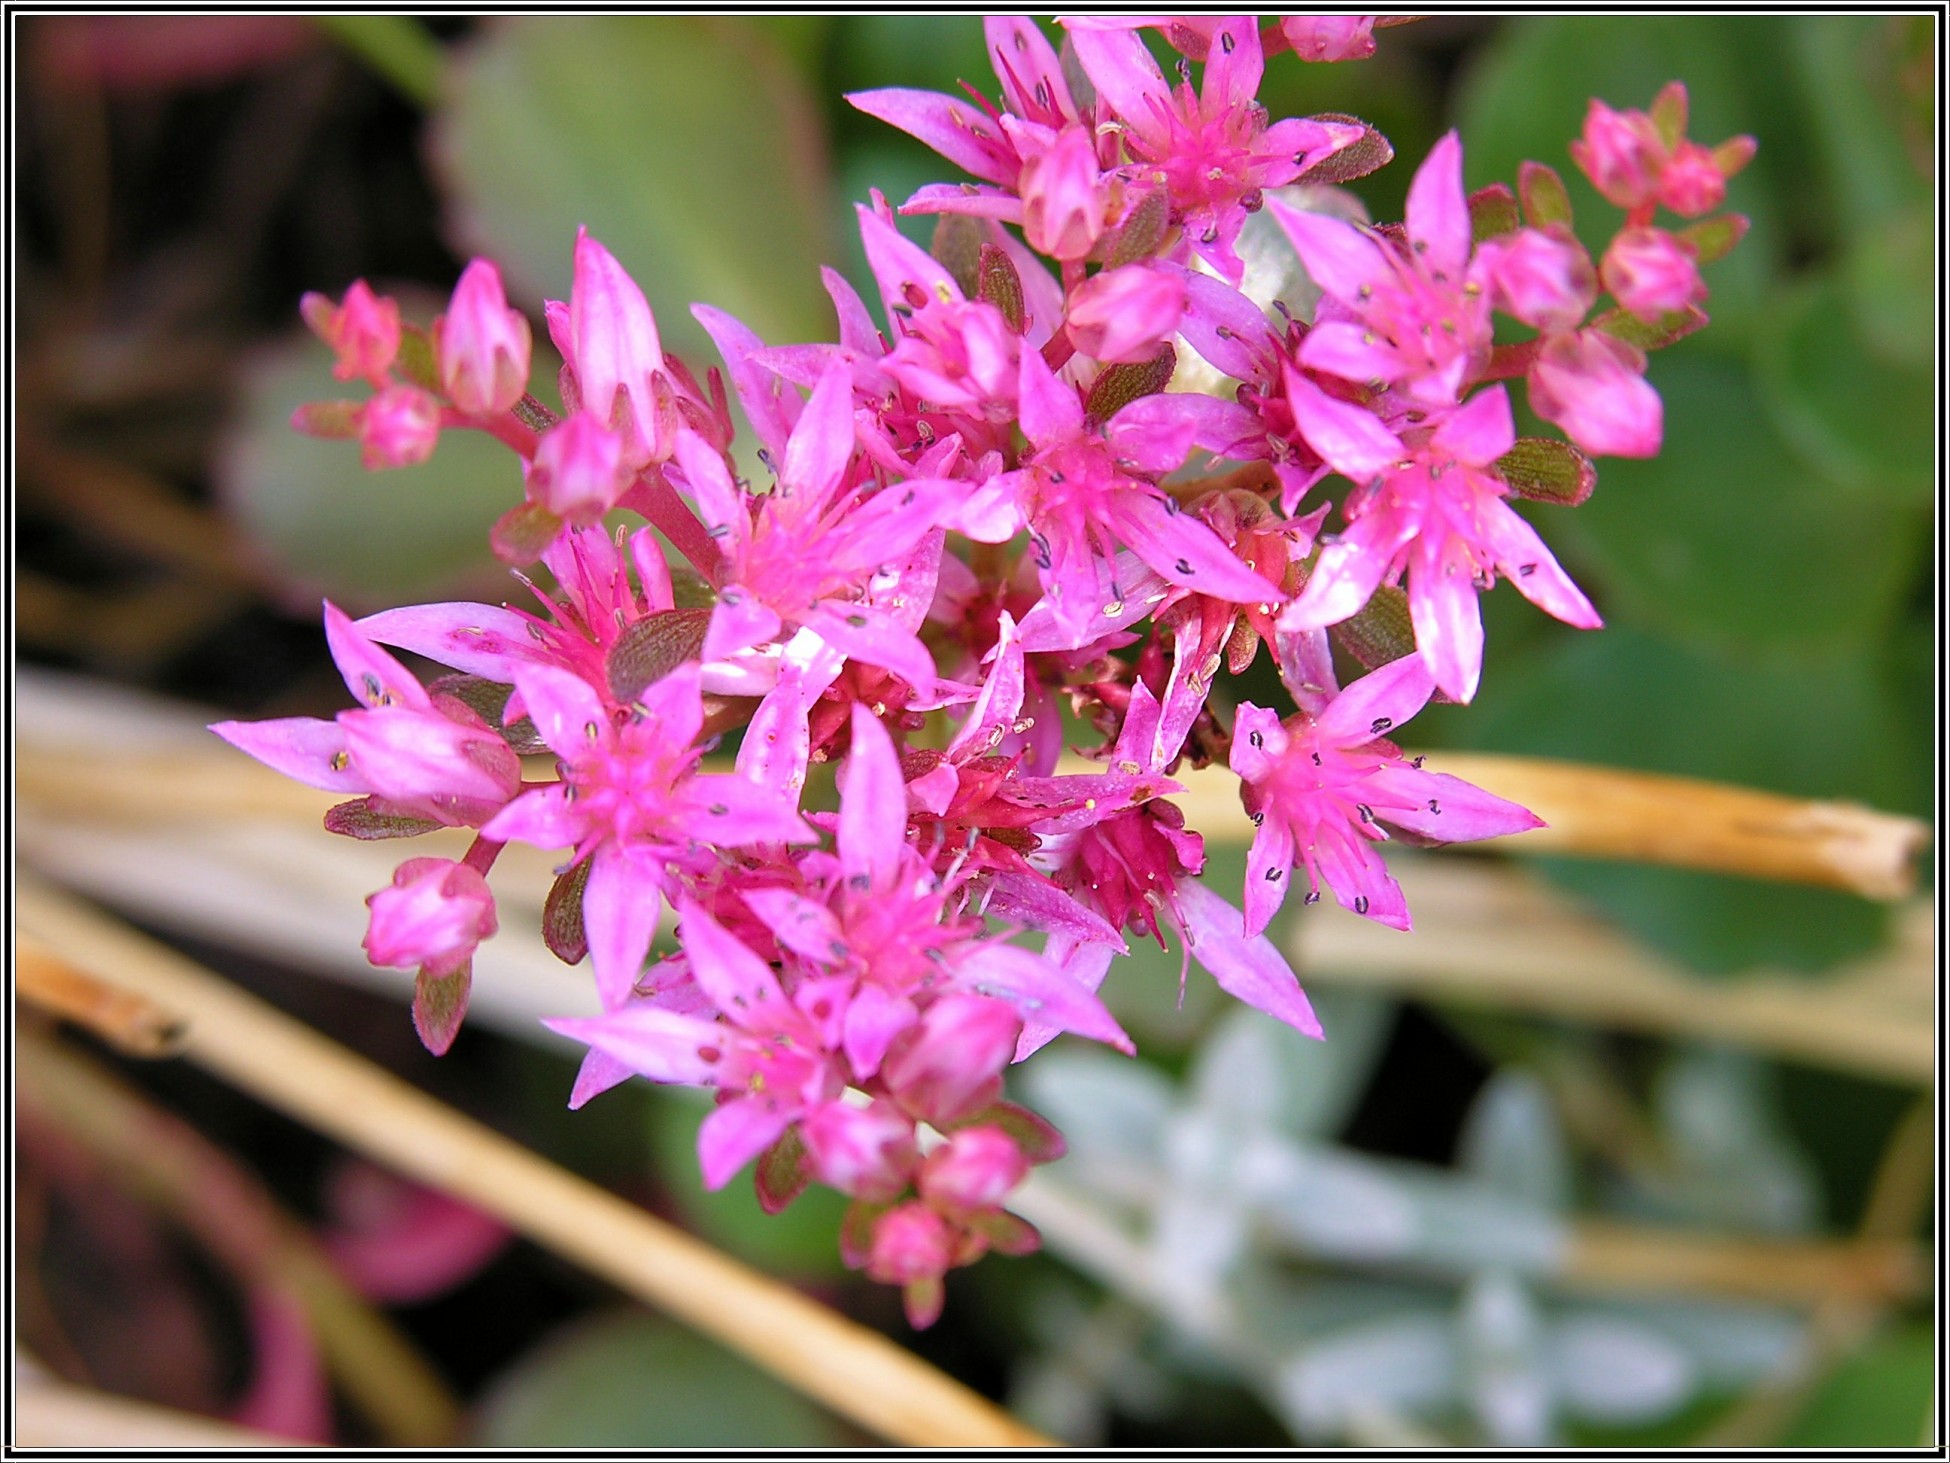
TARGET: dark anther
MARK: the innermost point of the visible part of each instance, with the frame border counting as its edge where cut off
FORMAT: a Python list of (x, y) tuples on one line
[(1381, 724), (1313, 897), (1256, 739), (1273, 875), (1360, 904), (1434, 806)]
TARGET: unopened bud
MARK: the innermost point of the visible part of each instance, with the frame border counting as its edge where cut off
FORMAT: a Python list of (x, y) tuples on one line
[(398, 427), (483, 346), (363, 331)]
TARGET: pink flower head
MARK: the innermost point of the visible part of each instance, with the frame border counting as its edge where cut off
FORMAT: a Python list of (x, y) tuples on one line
[(1438, 512), (1063, 197), (806, 554), (1319, 787), (1542, 277), (977, 1168), (1124, 314), (867, 1152), (432, 916), (631, 802), (1651, 273), (1622, 154), (578, 471), (363, 331), (483, 346), (1214, 148), (949, 1065), (1592, 384), (1329, 37), (608, 339), (1402, 316), (398, 427), (426, 756)]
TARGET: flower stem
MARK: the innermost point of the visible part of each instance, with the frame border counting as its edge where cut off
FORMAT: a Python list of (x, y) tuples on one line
[(396, 47)]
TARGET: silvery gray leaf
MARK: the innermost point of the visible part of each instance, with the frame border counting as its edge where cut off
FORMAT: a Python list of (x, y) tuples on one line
[(1503, 1370), (1606, 1369), (1512, 1142), (1406, 1364)]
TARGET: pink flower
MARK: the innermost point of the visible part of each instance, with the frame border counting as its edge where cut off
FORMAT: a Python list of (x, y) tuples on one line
[(949, 1065), (1319, 787), (1592, 384), (432, 916), (1695, 181), (1125, 314), (427, 756), (1651, 273), (1439, 513), (363, 331), (578, 471), (913, 1247), (608, 339), (1214, 149), (1639, 159), (1407, 316), (1543, 278), (398, 427), (631, 803), (482, 345)]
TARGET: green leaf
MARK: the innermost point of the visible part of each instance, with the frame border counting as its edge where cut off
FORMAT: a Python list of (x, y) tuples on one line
[(630, 1380), (1814, 725), (1881, 1397), (1728, 539), (689, 146), (1864, 421), (322, 525)]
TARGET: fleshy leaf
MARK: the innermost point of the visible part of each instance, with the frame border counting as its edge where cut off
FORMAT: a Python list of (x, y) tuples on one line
[(439, 1003), (1547, 471), (1034, 1134), (488, 700), (370, 818), (519, 535), (1667, 330), (1358, 159), (562, 929), (1545, 200), (1379, 633), (958, 245), (997, 282), (1120, 385), (783, 1172), (652, 648), (1493, 211)]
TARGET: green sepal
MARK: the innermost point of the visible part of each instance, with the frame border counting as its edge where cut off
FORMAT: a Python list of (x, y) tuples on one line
[(329, 419), (1543, 195), (997, 282), (1666, 330), (1118, 386), (652, 648), (783, 1172), (369, 819), (1380, 632), (1369, 153), (1546, 470), (416, 360), (957, 248), (562, 928), (1493, 213), (439, 1003)]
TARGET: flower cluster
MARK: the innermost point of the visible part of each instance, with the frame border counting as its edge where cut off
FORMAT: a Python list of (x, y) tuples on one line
[(984, 515)]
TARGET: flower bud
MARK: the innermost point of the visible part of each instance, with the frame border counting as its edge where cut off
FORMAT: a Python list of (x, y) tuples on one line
[(949, 1064), (1592, 384), (1651, 273), (977, 1168), (578, 471), (483, 345), (398, 427), (364, 331), (1544, 279), (910, 1242), (1062, 200), (608, 337), (1329, 37), (867, 1152), (1122, 314), (1692, 183), (432, 916), (1622, 155)]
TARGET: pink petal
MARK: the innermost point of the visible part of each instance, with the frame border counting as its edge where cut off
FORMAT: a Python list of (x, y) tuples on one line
[(1360, 881), (873, 1019), (1529, 565), (1186, 551), (1249, 967), (771, 410), (736, 1133), (1127, 79), (619, 913), (798, 924), (1339, 257), (1446, 808), (957, 130), (661, 1045), (738, 621), (598, 1073), (1481, 429), (733, 811), (864, 632), (897, 263), (373, 676), (1377, 704), (739, 984), (1269, 863), (719, 502), (1438, 212), (873, 803), (566, 709), (1348, 571), (821, 445), (1048, 408), (301, 747), (857, 330), (1036, 988), (1350, 438), (542, 816), (1349, 350), (1447, 618), (1234, 64), (481, 640), (1031, 76)]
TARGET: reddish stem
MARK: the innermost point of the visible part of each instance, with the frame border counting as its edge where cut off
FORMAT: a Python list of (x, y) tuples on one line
[(652, 496), (481, 854), (1507, 362), (504, 427)]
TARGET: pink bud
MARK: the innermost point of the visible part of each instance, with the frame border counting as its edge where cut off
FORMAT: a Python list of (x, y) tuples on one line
[(483, 345), (1543, 279), (910, 1242), (1651, 273), (1122, 314), (1593, 385), (977, 1168), (364, 331), (433, 915), (1622, 155), (867, 1152), (1691, 183), (578, 471), (1062, 200), (1330, 37), (608, 337), (949, 1064), (399, 427)]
